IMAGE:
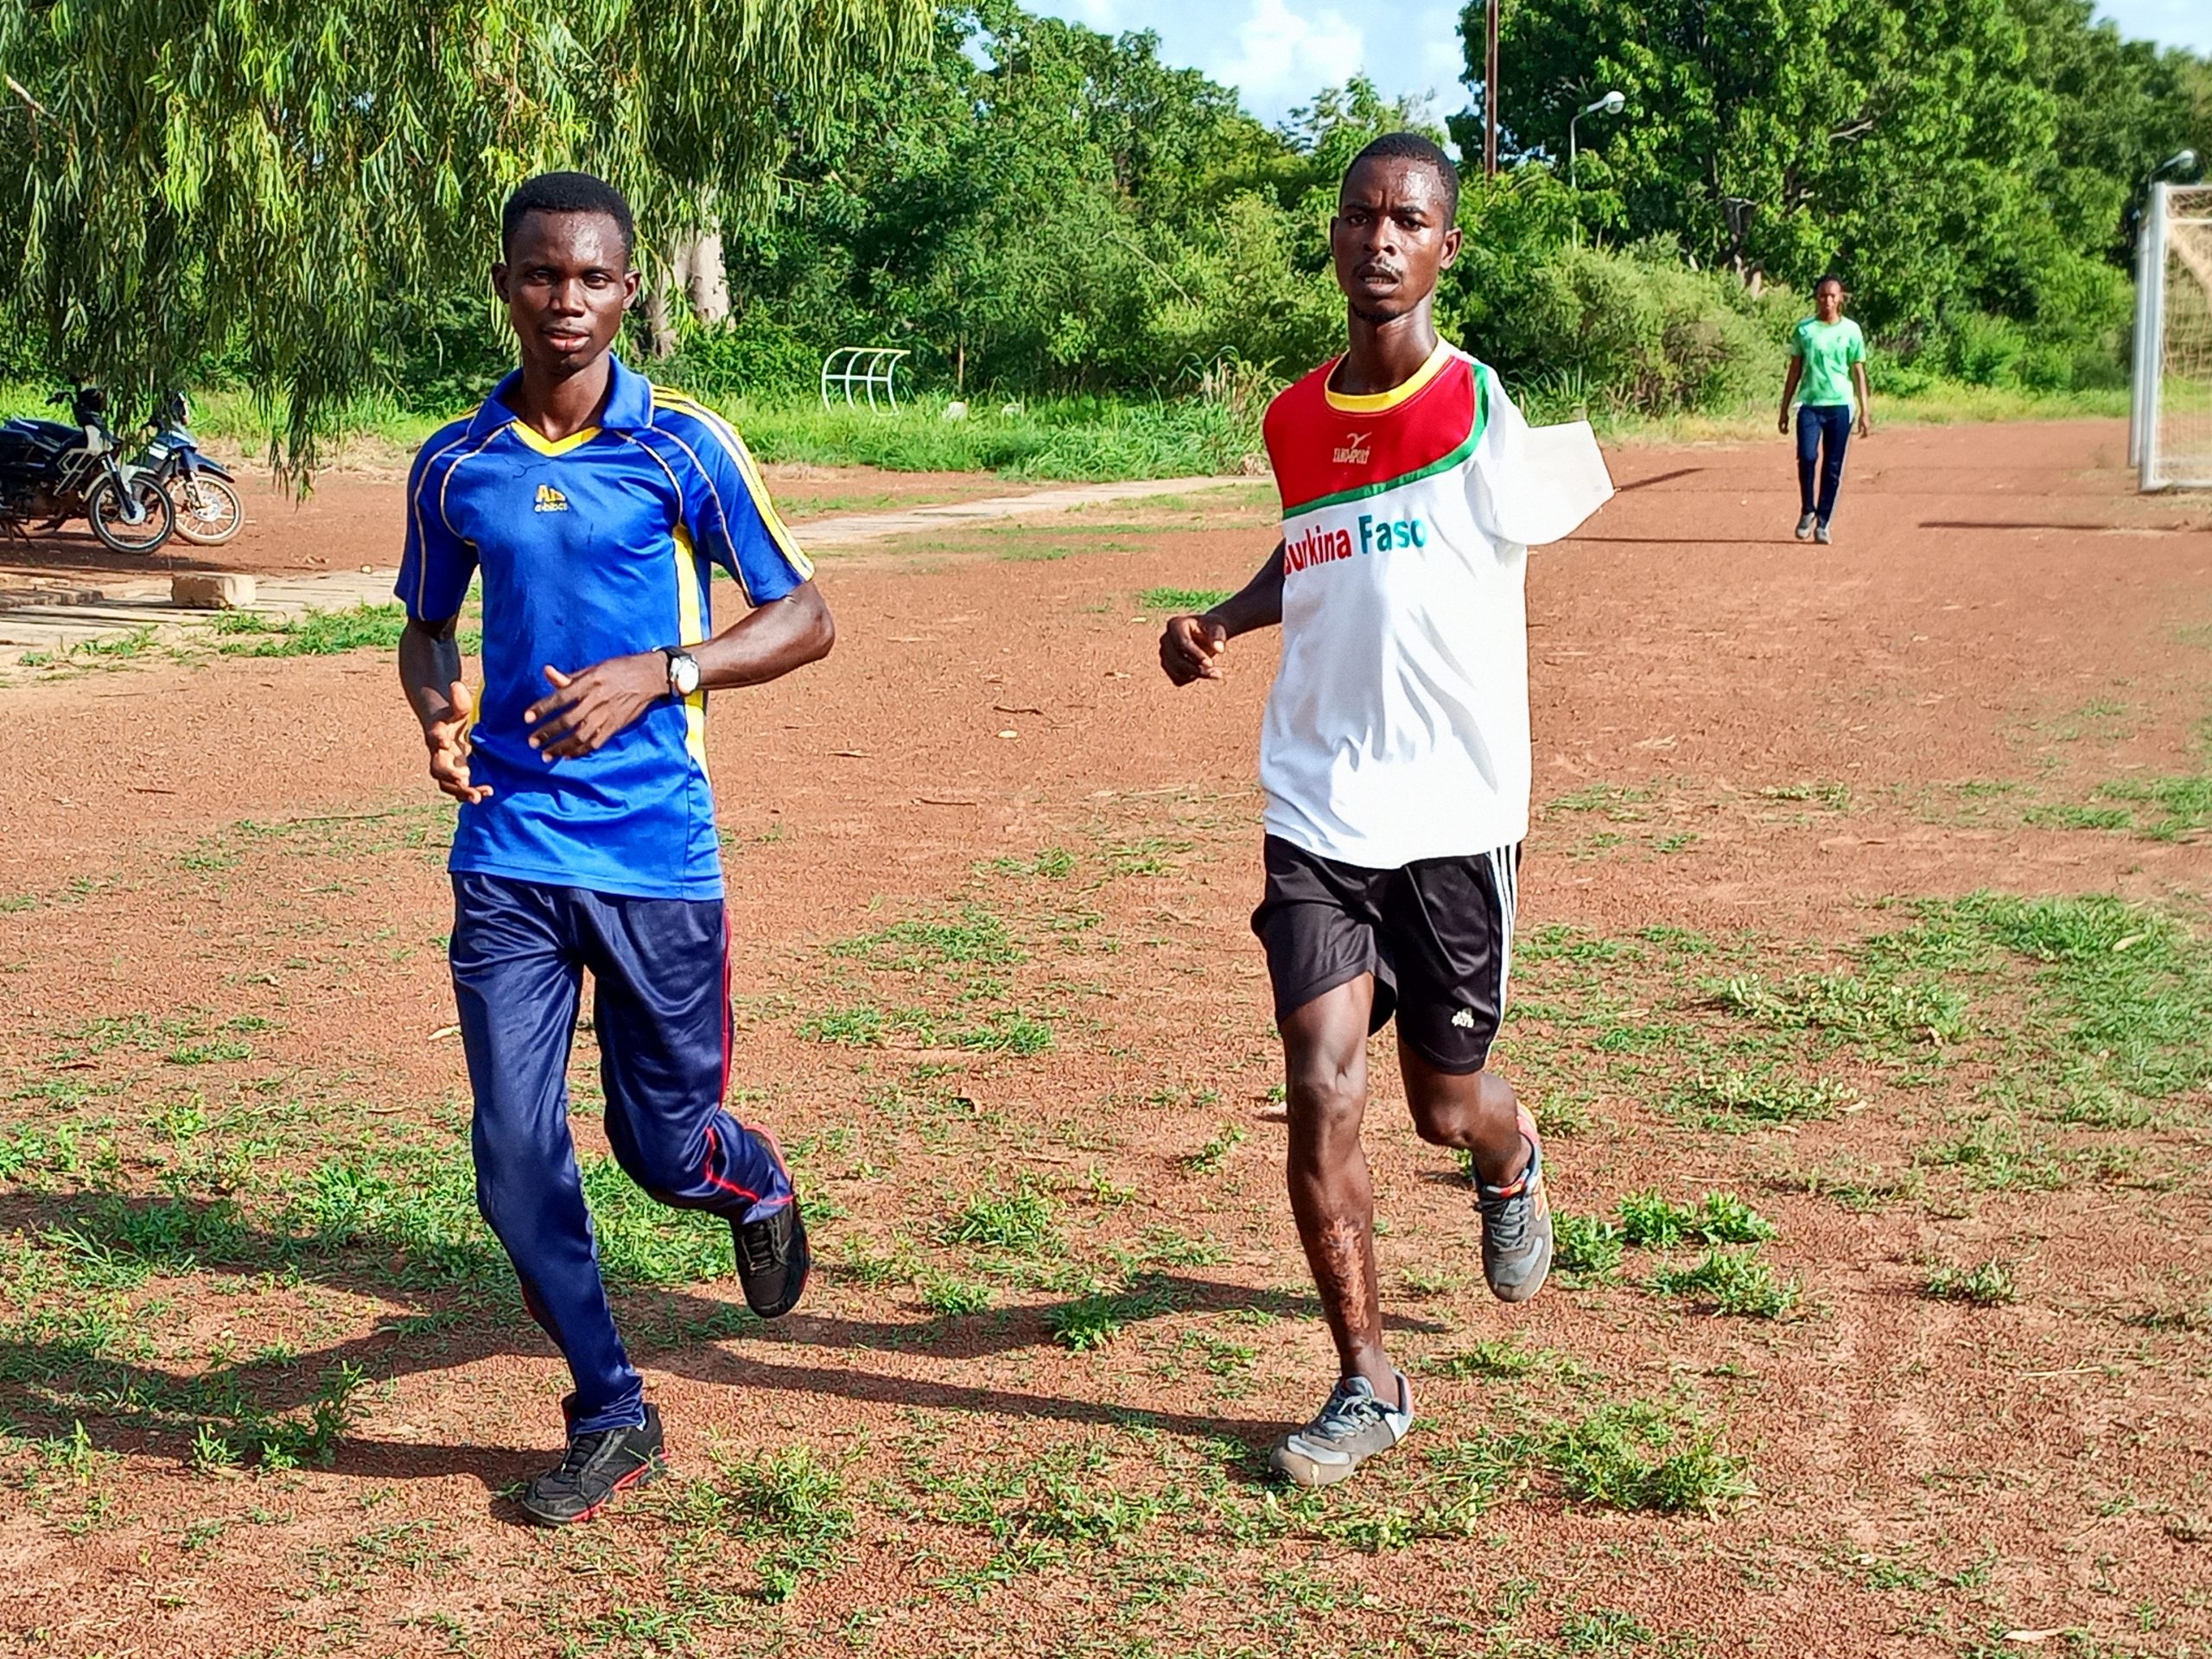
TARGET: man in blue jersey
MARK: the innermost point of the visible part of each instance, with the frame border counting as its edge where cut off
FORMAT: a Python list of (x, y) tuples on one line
[(594, 505)]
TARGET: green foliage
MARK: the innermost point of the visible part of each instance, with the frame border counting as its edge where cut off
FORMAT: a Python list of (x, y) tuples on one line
[(1988, 1285), (320, 633), (1585, 1247), (1638, 1457), (1964, 162), (297, 191), (1738, 1282), (1652, 1223), (1019, 1222), (1181, 600), (789, 1501)]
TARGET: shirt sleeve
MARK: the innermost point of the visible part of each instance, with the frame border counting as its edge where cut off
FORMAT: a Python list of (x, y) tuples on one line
[(1797, 340), (730, 519), (1529, 485), (436, 562), (1858, 352)]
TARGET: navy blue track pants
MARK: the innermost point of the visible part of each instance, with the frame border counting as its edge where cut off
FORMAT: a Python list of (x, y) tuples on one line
[(661, 969), (1823, 433)]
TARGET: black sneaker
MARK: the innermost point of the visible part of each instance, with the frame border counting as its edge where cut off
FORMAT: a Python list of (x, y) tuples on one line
[(598, 1465), (772, 1260)]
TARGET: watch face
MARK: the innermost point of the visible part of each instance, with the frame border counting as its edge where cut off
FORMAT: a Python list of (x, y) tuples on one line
[(683, 675)]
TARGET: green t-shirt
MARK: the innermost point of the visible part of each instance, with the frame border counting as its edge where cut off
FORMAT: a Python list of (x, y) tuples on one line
[(1828, 350)]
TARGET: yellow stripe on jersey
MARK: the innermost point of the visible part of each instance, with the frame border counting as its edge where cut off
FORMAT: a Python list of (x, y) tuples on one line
[(1373, 402), (691, 629), (778, 532), (545, 446)]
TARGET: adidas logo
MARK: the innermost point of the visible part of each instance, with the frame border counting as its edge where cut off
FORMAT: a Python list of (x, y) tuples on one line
[(1465, 1019), (550, 499)]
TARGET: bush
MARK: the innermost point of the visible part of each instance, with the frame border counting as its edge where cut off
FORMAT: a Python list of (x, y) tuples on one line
[(1642, 332)]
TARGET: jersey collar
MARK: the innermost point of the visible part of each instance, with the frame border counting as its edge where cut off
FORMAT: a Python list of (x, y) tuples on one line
[(1377, 403), (629, 405)]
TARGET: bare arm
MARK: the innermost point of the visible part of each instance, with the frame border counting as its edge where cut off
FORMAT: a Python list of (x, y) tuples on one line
[(1865, 401), (1191, 646), (429, 673), (590, 706), (1789, 391)]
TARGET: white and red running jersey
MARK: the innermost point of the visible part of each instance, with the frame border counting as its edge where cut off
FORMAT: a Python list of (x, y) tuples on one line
[(1398, 726)]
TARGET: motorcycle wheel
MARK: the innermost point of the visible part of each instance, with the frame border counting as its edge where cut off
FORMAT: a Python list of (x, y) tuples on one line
[(104, 510), (208, 511)]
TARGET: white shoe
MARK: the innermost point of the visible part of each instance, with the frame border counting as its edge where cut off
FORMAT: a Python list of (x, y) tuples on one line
[(1821, 534), (1805, 528)]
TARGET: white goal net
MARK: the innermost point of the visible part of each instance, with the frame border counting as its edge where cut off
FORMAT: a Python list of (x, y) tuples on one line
[(2172, 428)]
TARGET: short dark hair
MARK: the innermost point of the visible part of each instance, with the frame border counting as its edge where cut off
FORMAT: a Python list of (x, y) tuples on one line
[(566, 193), (1828, 277), (1423, 152)]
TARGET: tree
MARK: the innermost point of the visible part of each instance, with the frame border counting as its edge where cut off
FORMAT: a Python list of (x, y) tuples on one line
[(298, 175), (1949, 155)]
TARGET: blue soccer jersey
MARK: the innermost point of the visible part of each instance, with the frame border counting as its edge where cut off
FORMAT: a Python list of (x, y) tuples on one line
[(593, 547)]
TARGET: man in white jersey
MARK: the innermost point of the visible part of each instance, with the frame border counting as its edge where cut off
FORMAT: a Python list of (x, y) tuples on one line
[(1395, 760)]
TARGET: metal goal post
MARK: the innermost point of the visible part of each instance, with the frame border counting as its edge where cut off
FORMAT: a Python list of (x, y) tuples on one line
[(870, 368), (2169, 425)]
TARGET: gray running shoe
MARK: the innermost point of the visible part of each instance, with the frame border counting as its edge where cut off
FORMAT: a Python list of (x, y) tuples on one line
[(1352, 1428), (1821, 534), (1805, 527), (1518, 1226)]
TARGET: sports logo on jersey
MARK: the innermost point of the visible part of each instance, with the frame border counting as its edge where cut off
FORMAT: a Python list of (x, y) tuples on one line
[(550, 499), (1353, 451), (1465, 1019)]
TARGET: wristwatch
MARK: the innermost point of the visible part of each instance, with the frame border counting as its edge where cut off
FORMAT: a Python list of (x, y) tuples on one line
[(683, 671)]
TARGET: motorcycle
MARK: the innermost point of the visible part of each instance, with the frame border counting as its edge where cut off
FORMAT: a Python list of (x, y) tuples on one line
[(54, 471), (208, 511)]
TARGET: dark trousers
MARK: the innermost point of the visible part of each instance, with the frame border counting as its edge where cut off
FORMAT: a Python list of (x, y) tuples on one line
[(661, 967), (1823, 430)]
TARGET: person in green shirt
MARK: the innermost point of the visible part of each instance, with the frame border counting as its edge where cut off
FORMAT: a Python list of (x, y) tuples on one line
[(1827, 360)]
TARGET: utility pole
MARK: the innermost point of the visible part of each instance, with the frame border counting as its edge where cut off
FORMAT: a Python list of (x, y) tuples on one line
[(1489, 90)]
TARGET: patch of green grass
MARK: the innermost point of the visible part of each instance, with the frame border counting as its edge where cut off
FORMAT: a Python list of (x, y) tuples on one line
[(789, 1501), (320, 633), (1020, 1221), (1493, 1357), (1878, 1013), (1602, 1629), (943, 1293), (1988, 1285), (916, 945), (1651, 1222), (1994, 1155), (1834, 797), (1181, 600), (1739, 1282), (1091, 1322), (1009, 1033), (1620, 803), (1734, 1098), (1631, 1456), (1211, 1156), (1585, 1247)]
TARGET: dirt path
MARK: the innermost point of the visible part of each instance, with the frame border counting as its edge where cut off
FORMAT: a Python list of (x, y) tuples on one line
[(53, 607), (991, 877)]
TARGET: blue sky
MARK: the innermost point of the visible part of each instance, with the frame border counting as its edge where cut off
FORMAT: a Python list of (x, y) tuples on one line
[(1280, 52)]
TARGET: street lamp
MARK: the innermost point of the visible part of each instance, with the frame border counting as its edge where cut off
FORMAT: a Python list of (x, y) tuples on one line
[(2180, 162), (1611, 103)]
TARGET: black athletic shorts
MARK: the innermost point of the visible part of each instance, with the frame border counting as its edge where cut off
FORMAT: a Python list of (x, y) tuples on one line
[(1437, 935)]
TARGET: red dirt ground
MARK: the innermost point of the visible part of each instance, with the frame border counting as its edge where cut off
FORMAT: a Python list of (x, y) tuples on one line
[(1794, 734)]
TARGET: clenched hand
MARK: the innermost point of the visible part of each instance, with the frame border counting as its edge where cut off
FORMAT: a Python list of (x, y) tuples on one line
[(1191, 648)]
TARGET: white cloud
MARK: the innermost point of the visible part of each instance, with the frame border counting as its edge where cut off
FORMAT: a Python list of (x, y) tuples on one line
[(1285, 55)]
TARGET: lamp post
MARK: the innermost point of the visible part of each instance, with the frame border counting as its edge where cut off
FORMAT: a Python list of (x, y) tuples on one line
[(2180, 162), (1610, 103)]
